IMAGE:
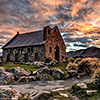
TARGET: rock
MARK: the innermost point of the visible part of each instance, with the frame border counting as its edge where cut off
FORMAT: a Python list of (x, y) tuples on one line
[(32, 94), (22, 79), (7, 93), (35, 63), (28, 63), (18, 72), (72, 73), (44, 77), (47, 64), (34, 73), (2, 69), (82, 85), (44, 74), (90, 91), (30, 78), (6, 78), (36, 95), (39, 64), (53, 63), (65, 95), (57, 73), (55, 99), (44, 70)]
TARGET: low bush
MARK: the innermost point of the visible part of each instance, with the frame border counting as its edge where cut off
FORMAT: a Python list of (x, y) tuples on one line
[(72, 66), (87, 65), (96, 77), (77, 60), (70, 60), (79, 92)]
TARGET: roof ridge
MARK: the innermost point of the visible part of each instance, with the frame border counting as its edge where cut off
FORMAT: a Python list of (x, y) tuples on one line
[(31, 32)]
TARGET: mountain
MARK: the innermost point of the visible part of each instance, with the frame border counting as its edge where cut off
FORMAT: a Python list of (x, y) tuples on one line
[(89, 52)]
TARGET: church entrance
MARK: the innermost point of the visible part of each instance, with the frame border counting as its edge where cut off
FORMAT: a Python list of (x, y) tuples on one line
[(57, 53)]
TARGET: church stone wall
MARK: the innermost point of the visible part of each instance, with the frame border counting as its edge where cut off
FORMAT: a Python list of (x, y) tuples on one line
[(24, 54)]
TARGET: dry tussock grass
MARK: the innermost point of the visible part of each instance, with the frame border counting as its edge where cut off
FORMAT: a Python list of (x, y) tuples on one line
[(96, 77), (87, 65)]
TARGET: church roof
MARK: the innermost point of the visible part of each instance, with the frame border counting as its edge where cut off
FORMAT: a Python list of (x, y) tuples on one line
[(26, 39)]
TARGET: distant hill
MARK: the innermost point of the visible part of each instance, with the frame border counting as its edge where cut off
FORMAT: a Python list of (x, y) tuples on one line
[(89, 52)]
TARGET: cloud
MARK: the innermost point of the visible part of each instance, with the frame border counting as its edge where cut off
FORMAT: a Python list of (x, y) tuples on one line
[(78, 20)]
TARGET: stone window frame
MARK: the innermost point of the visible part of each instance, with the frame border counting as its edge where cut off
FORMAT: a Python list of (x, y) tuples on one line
[(50, 50)]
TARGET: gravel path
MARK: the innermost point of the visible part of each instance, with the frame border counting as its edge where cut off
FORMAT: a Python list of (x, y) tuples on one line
[(25, 88)]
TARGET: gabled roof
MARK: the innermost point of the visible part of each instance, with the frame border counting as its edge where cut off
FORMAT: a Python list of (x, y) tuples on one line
[(26, 39)]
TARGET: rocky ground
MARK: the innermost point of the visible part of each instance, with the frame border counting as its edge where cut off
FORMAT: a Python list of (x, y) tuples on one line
[(38, 87)]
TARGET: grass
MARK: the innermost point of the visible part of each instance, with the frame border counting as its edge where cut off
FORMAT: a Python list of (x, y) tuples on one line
[(81, 93), (26, 66), (52, 95), (48, 96), (62, 66)]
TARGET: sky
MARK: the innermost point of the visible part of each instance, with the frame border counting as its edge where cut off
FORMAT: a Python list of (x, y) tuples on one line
[(77, 20)]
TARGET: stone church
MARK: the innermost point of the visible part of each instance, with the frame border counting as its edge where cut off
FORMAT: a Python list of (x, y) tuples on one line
[(35, 46)]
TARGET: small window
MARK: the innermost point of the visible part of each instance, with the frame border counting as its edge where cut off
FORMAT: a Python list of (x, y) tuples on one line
[(50, 49), (31, 49), (10, 51), (62, 56), (28, 50), (48, 31)]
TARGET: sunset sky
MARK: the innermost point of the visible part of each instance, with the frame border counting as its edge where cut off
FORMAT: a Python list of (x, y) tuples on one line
[(78, 20)]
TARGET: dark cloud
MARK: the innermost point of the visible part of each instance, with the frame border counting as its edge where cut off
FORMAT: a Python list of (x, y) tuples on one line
[(72, 16)]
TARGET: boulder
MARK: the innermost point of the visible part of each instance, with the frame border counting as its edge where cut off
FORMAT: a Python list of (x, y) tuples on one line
[(18, 72), (44, 70), (44, 77), (44, 74), (90, 91), (72, 73), (82, 85), (6, 78), (2, 69), (7, 93), (57, 73)]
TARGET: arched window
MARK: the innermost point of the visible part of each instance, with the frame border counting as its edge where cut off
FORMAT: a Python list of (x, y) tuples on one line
[(50, 49), (48, 31)]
